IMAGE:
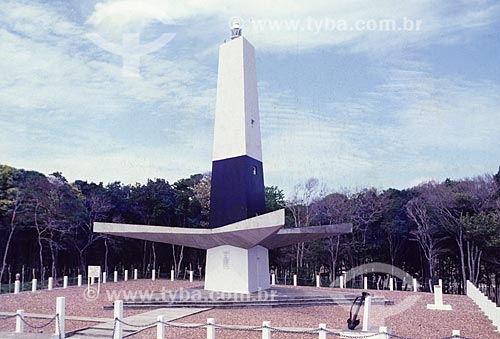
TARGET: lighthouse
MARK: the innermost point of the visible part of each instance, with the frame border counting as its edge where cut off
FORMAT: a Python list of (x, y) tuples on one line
[(237, 190), (240, 232)]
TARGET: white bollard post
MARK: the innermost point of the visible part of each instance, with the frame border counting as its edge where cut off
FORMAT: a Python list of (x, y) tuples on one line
[(118, 314), (383, 329), (104, 277), (50, 286), (365, 283), (135, 273), (60, 318), (415, 286), (191, 276), (115, 276), (266, 331), (19, 321), (341, 281), (455, 333), (153, 275), (80, 280), (273, 279), (125, 275), (17, 287), (210, 328), (318, 281), (322, 333), (440, 282), (65, 281), (295, 280), (160, 327), (172, 275), (33, 285), (391, 284), (366, 313)]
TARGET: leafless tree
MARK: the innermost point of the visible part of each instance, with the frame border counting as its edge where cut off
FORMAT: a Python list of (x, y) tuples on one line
[(303, 211), (426, 233), (336, 208), (95, 206), (15, 209), (368, 207)]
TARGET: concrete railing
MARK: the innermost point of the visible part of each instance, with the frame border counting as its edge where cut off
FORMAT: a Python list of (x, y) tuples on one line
[(489, 308)]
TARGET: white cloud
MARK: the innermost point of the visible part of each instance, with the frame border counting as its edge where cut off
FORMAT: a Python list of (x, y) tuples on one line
[(283, 25), (66, 106), (436, 127)]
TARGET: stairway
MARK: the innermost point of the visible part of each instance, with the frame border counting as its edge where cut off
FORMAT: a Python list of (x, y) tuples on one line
[(274, 297)]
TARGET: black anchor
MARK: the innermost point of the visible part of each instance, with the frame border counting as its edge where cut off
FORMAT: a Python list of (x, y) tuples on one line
[(352, 322)]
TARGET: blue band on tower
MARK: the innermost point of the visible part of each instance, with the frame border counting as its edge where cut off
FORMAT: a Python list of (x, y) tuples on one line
[(237, 190)]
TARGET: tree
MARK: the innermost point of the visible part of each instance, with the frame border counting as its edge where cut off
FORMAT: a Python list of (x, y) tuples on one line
[(482, 233), (395, 222), (153, 203), (11, 202), (427, 234), (456, 205), (496, 177), (335, 208), (303, 211), (275, 198), (59, 210), (202, 193), (367, 209), (94, 205)]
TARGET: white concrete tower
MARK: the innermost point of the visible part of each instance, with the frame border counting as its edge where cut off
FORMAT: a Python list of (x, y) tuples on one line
[(237, 171), (237, 125)]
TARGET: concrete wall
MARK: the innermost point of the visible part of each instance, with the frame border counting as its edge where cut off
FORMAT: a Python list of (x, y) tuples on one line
[(237, 270)]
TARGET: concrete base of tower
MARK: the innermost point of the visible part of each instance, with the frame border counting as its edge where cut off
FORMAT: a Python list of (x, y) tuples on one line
[(237, 270)]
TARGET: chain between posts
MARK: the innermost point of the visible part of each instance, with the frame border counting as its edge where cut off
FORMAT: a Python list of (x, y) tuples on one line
[(8, 317), (273, 329), (36, 327), (224, 327)]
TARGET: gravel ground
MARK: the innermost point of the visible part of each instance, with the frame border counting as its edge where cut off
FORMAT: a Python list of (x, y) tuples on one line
[(408, 317), (78, 303)]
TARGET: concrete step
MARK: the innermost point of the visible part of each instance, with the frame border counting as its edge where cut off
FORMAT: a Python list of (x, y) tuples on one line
[(247, 304)]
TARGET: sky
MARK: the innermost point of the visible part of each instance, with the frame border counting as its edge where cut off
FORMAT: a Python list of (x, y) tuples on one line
[(356, 93)]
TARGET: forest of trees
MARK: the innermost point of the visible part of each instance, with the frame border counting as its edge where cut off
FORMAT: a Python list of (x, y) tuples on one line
[(448, 230)]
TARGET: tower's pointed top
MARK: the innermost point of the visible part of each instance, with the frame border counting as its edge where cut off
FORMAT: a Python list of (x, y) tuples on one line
[(235, 29)]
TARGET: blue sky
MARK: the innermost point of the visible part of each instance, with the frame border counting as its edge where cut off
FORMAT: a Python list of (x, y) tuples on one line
[(351, 106)]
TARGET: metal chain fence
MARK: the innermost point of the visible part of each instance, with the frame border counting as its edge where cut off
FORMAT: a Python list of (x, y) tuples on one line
[(272, 329), (37, 327)]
